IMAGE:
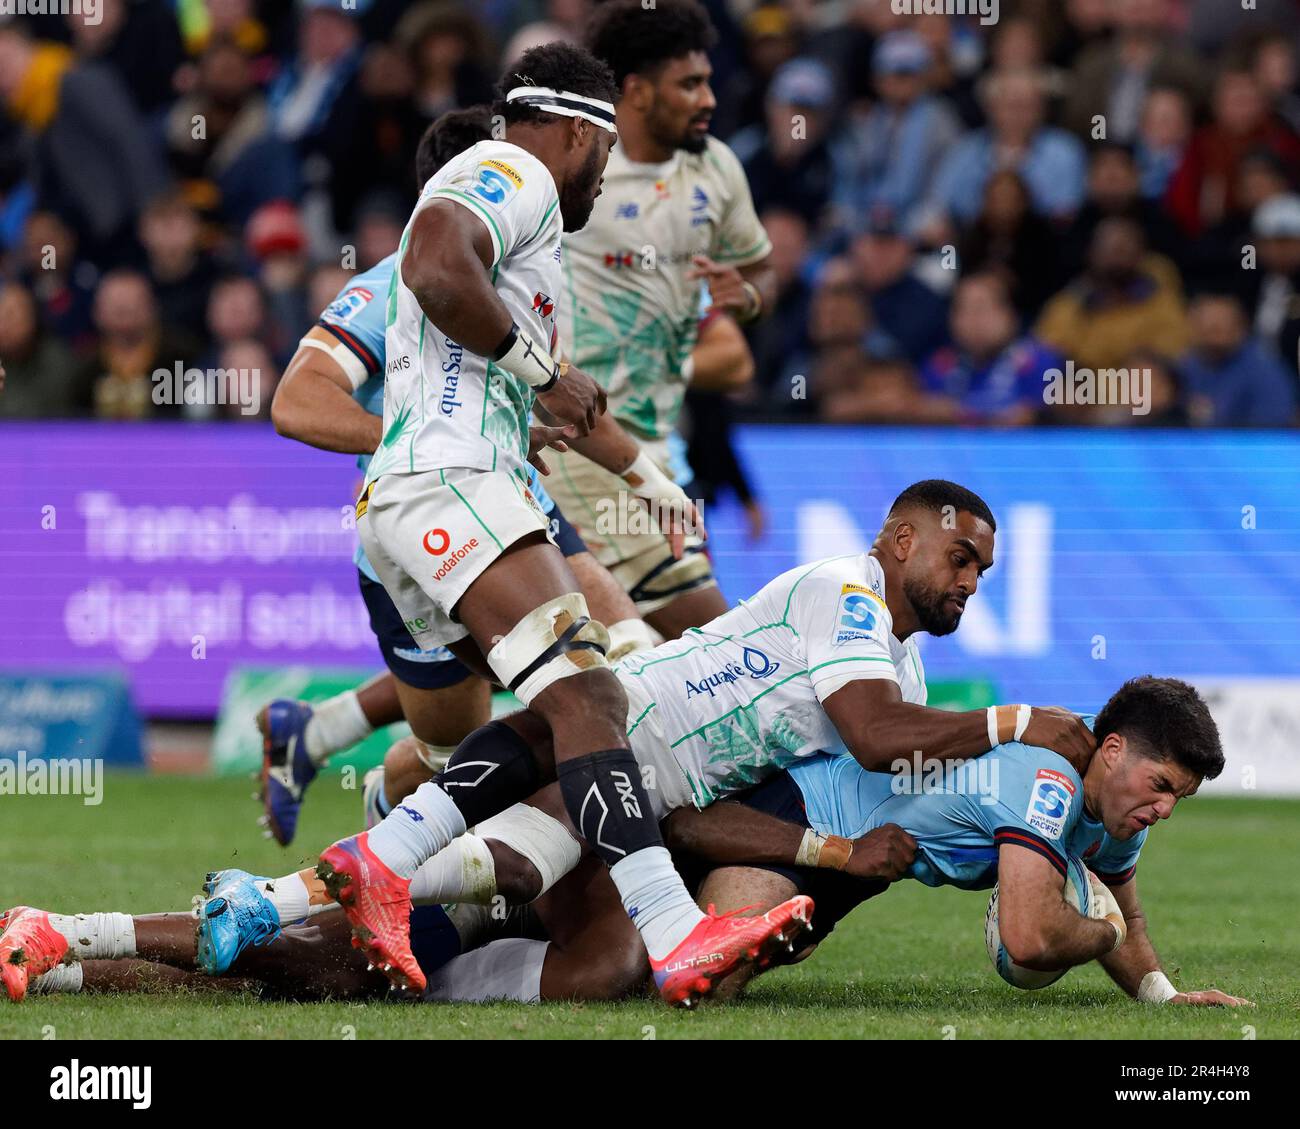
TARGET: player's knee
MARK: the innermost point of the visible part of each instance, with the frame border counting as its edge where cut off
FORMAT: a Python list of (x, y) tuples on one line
[(404, 769), (549, 646), (517, 879), (619, 971)]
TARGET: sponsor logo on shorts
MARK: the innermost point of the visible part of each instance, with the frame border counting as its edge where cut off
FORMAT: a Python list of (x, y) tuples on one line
[(414, 625), (1049, 803), (754, 664), (437, 542), (455, 558), (415, 655)]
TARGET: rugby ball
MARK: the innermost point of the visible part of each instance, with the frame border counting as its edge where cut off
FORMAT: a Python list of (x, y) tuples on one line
[(1077, 893)]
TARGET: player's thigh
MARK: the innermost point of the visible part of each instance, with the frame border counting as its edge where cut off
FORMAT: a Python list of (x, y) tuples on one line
[(446, 716), (526, 575)]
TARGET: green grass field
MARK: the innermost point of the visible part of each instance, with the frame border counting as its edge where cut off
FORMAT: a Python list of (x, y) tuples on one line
[(1218, 884)]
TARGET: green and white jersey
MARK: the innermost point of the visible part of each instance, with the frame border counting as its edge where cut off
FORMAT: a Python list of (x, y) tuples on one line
[(443, 405), (741, 697), (630, 313)]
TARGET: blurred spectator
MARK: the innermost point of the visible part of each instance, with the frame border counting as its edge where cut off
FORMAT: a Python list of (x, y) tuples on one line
[(93, 158), (230, 21), (770, 43), (885, 162), (236, 312), (1275, 301), (1218, 258), (448, 52), (38, 380), (1235, 379), (990, 373), (866, 391), (325, 282), (1167, 393), (779, 342), (379, 230), (1123, 302), (1049, 160), (1163, 136), (253, 358), (277, 243), (63, 284), (1114, 189), (140, 41), (221, 142), (1011, 237), (1204, 189), (181, 274), (117, 382), (1274, 63), (788, 159), (311, 97), (563, 20), (910, 311), (1111, 80)]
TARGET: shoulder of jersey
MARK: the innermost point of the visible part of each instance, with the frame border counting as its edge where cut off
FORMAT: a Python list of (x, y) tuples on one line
[(360, 291)]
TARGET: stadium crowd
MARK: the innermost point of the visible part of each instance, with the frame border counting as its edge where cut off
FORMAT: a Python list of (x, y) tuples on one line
[(956, 207)]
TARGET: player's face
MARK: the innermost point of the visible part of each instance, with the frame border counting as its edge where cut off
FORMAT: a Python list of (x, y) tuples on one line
[(1137, 791), (683, 103), (951, 553), (578, 196)]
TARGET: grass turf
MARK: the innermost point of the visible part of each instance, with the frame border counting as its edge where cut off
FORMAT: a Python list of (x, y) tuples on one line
[(1218, 887)]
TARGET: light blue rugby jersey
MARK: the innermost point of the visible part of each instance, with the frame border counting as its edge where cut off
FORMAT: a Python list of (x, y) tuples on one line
[(356, 317), (1015, 793)]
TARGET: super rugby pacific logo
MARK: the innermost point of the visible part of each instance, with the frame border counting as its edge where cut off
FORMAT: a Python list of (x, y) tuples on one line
[(754, 663)]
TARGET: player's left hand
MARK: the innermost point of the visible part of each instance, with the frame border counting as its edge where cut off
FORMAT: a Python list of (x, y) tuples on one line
[(541, 436), (884, 852), (726, 286), (1210, 998)]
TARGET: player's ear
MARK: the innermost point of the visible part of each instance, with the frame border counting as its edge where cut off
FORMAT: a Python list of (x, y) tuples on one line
[(1111, 750), (903, 540)]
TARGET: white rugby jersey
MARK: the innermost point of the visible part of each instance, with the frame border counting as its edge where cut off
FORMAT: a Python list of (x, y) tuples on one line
[(630, 314), (740, 698), (443, 405)]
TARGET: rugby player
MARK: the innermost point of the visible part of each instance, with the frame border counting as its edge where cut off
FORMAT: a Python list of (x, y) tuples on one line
[(331, 397), (460, 544), (821, 658), (675, 213)]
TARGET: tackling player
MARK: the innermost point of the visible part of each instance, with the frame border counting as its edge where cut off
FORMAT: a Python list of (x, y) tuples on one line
[(675, 210), (460, 544), (821, 658)]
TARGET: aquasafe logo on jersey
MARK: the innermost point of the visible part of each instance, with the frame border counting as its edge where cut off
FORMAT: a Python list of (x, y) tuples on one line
[(753, 664), (347, 305), (448, 403), (496, 181), (855, 619), (1049, 803)]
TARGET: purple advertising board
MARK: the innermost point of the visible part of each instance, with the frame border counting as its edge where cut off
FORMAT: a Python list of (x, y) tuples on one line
[(175, 551)]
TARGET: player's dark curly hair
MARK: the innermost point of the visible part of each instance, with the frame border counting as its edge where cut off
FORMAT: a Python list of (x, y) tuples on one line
[(449, 136), (560, 66), (936, 493), (1166, 720), (636, 40)]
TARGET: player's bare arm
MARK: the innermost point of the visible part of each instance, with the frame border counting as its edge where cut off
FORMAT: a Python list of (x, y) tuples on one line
[(446, 267), (721, 360), (1135, 965), (1039, 928), (730, 834), (314, 403)]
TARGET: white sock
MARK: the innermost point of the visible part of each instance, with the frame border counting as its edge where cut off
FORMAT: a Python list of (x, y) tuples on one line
[(62, 979), (463, 871), (655, 899), (97, 936), (509, 969), (417, 829), (336, 724), (290, 896)]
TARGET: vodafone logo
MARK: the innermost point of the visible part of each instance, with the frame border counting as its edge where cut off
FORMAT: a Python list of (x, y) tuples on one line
[(455, 558), (436, 542)]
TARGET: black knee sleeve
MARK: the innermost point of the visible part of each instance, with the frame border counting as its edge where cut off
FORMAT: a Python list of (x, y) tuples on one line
[(609, 807), (490, 770)]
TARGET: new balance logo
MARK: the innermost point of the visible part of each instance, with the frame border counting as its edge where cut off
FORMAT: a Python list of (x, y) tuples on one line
[(626, 796)]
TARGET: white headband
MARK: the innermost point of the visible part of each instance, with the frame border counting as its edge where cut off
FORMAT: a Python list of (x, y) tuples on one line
[(567, 104)]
